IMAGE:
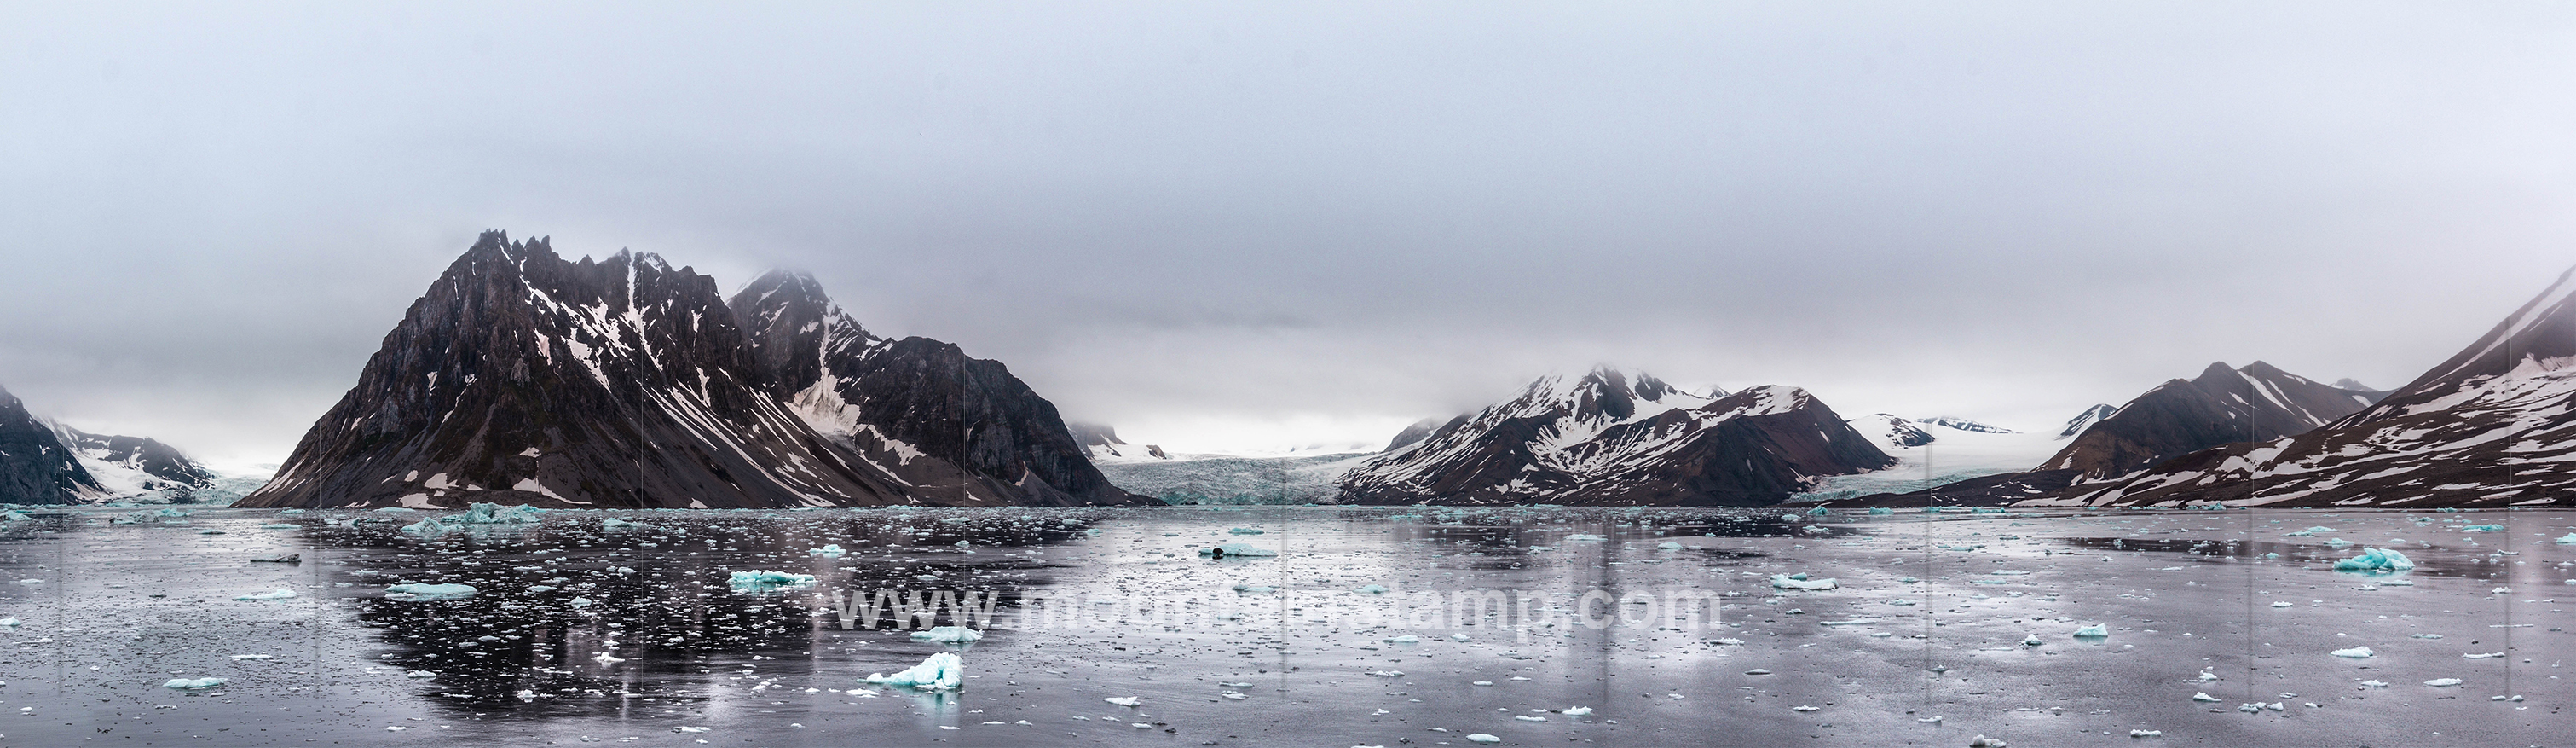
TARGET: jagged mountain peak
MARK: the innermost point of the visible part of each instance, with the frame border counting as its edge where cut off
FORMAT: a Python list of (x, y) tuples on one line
[(2086, 419), (2537, 339)]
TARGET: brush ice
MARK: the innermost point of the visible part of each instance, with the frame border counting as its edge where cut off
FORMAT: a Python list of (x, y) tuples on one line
[(2376, 560), (191, 684), (1374, 589), (1789, 582), (949, 634), (939, 672), (425, 592)]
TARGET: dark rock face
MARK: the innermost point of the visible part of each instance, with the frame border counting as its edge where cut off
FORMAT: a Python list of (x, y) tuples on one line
[(35, 466), (1414, 434), (2222, 405), (523, 378), (2493, 426), (170, 471), (1602, 440), (949, 428)]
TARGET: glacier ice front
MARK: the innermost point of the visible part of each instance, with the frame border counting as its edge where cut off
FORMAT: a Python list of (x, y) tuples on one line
[(2376, 560), (939, 672)]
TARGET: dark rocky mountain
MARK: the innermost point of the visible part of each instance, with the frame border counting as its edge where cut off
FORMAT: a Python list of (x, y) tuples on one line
[(2493, 426), (524, 378), (2090, 416), (35, 466), (949, 428), (1610, 439), (1417, 432), (2222, 405)]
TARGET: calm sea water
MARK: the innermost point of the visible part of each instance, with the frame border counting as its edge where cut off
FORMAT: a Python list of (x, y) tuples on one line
[(1537, 626)]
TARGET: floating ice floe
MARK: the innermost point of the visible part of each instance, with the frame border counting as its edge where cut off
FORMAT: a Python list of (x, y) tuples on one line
[(1483, 738), (1236, 550), (949, 634), (277, 594), (2376, 560), (2145, 733), (2358, 653), (191, 684), (2095, 631), (1244, 531), (1582, 538), (614, 524), (2203, 696), (1374, 589), (1668, 546), (1578, 711), (827, 551), (2443, 682), (1799, 581), (425, 592), (2569, 539), (1121, 700), (426, 529), (940, 672), (763, 579)]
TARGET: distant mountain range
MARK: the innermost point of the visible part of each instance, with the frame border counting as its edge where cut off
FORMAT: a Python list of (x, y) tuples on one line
[(524, 378), (42, 462), (1612, 438)]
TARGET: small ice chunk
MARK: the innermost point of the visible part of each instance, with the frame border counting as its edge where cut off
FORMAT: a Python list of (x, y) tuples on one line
[(1799, 582), (949, 634), (2443, 682), (419, 674), (2358, 653), (762, 579), (1244, 531), (2095, 631), (1374, 589), (426, 592), (1982, 741), (939, 672), (1483, 738), (191, 684), (1121, 700), (2145, 733), (280, 593), (1669, 546), (2376, 560), (2204, 697), (1578, 711), (832, 550), (426, 529), (2569, 539)]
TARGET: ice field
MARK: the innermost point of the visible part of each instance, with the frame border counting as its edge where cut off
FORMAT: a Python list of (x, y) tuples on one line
[(1404, 626)]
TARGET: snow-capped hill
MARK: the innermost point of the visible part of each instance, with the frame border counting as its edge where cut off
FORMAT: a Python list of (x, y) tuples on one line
[(2489, 427), (2086, 419), (938, 426), (1612, 438), (1100, 441), (133, 468), (1962, 424), (1890, 431), (2222, 405)]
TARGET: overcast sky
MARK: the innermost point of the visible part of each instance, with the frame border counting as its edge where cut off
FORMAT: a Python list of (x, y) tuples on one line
[(1217, 225)]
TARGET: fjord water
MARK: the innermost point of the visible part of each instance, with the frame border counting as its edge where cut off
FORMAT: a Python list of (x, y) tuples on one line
[(1938, 628)]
